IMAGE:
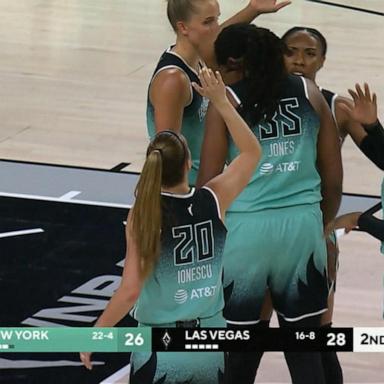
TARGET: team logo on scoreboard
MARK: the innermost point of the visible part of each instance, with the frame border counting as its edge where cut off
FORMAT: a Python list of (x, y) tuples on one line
[(166, 339)]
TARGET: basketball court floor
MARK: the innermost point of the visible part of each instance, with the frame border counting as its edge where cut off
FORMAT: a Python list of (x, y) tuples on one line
[(73, 78)]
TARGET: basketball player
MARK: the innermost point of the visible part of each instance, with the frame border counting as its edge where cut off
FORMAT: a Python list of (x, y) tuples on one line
[(175, 240), (364, 111), (172, 103), (275, 226), (306, 55)]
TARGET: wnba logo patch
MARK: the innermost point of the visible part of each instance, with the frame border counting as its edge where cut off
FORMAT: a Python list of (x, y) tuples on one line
[(181, 296), (266, 169)]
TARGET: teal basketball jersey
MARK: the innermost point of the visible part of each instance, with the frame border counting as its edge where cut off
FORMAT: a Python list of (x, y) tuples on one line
[(287, 173), (193, 117), (186, 283)]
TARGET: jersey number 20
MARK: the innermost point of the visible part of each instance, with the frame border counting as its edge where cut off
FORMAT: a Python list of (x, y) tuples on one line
[(195, 241)]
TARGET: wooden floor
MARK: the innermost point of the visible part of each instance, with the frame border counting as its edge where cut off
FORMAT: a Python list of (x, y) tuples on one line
[(74, 77)]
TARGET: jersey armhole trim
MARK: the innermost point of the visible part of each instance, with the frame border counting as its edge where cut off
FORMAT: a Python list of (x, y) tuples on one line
[(182, 70), (170, 52), (216, 200), (333, 106), (305, 87), (233, 94)]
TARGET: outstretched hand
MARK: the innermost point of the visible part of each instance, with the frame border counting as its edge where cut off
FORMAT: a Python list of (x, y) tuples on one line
[(348, 221), (85, 358), (268, 6), (364, 109), (212, 86)]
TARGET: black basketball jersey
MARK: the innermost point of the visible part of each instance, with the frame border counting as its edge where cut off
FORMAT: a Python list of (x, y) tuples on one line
[(187, 280), (330, 98)]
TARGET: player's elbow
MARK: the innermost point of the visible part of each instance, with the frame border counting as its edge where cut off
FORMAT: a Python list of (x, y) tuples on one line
[(129, 293), (133, 295)]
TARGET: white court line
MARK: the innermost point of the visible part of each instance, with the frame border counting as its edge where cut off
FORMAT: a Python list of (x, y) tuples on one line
[(121, 374), (21, 233), (69, 195), (58, 199)]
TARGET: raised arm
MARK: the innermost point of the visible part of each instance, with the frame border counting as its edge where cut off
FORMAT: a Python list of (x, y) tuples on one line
[(214, 148), (362, 123), (233, 180), (246, 15), (254, 9), (169, 93), (125, 296), (328, 156)]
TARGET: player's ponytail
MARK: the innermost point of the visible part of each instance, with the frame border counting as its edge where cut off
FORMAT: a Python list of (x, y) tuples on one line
[(146, 213), (164, 167)]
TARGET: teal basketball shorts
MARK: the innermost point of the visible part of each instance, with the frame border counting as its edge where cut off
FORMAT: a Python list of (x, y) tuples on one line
[(280, 249)]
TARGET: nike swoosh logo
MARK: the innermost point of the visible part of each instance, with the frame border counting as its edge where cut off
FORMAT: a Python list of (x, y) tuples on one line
[(190, 210), (26, 364)]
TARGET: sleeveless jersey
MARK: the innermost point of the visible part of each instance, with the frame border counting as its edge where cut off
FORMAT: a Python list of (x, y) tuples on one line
[(287, 173), (187, 281), (193, 117), (330, 98)]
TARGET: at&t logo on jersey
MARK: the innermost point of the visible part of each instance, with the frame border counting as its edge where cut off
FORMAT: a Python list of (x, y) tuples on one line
[(266, 169), (284, 167), (182, 295), (198, 293)]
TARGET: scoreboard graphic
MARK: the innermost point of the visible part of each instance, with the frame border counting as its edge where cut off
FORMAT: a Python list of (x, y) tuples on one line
[(137, 339)]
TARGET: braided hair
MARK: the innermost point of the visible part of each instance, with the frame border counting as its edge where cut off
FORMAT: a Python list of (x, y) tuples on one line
[(261, 53)]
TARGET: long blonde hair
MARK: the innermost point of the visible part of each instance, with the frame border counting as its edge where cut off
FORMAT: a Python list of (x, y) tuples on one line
[(165, 166)]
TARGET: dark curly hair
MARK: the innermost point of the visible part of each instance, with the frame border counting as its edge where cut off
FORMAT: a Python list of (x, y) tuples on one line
[(261, 53), (314, 32)]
